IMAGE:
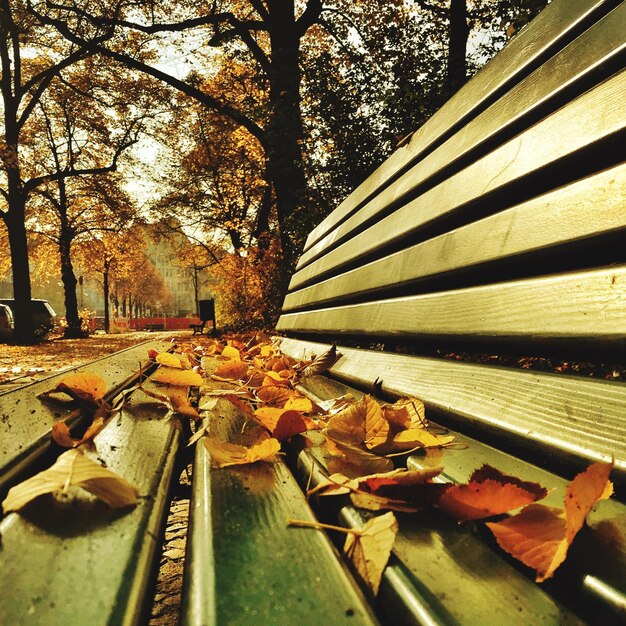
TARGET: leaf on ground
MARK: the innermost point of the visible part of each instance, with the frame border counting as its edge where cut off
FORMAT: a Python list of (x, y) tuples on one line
[(273, 395), (169, 359), (231, 353), (290, 423), (370, 548), (73, 469), (304, 405), (232, 370), (322, 363), (85, 386), (489, 492), (540, 536), (224, 454), (179, 378)]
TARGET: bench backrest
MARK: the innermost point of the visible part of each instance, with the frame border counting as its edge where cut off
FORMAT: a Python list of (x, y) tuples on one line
[(501, 226)]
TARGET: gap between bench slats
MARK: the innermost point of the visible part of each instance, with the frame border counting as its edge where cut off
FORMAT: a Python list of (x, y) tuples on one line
[(590, 208), (554, 27), (588, 119)]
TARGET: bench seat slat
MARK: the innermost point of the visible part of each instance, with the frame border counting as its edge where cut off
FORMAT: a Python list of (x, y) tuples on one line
[(26, 421), (566, 420), (463, 577), (593, 116), (81, 562), (264, 572), (589, 307), (553, 27), (590, 208)]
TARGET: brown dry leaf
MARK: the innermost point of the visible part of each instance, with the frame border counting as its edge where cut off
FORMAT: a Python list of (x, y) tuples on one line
[(370, 548), (169, 359), (179, 378), (240, 404), (333, 485), (61, 435), (86, 387), (353, 461), (348, 426), (180, 403), (540, 536), (489, 492), (268, 416), (322, 363), (73, 469), (376, 426), (274, 395), (290, 423), (224, 454), (232, 370), (274, 378), (406, 413)]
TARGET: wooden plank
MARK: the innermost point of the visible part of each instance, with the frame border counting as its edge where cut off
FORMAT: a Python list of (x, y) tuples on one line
[(79, 562), (581, 211), (557, 22), (26, 421), (590, 118), (567, 420), (440, 553), (586, 307), (261, 568)]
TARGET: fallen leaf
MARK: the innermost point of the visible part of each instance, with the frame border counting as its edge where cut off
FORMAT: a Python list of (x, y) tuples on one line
[(360, 423), (273, 394), (540, 536), (489, 492), (86, 387), (232, 370), (369, 548), (406, 413), (322, 363), (304, 405), (290, 423), (419, 438), (231, 353), (169, 359), (353, 461), (72, 468), (180, 404), (224, 454), (179, 378)]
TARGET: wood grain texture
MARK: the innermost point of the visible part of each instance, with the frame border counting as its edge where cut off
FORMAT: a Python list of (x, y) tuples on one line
[(587, 307), (570, 418), (263, 572), (79, 562), (554, 23), (26, 420), (589, 208), (596, 114)]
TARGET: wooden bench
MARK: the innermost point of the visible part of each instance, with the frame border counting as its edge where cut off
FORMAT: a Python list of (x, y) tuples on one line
[(498, 229)]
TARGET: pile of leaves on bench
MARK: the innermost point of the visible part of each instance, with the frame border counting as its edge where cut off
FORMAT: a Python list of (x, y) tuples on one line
[(359, 440)]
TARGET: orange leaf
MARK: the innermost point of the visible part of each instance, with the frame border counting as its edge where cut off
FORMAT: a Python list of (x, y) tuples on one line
[(489, 492), (87, 387), (540, 536), (232, 370), (272, 394), (62, 436), (231, 353), (406, 413), (290, 423), (304, 405), (224, 454)]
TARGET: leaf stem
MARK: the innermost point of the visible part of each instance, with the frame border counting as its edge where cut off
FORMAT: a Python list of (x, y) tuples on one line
[(320, 526)]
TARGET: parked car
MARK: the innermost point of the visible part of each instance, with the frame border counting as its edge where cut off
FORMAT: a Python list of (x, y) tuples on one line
[(43, 314), (6, 322)]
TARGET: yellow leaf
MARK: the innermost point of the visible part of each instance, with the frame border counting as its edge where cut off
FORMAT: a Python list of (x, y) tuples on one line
[(419, 438), (73, 469), (171, 360), (231, 353), (267, 351), (370, 548), (180, 378), (304, 405), (376, 426), (224, 454)]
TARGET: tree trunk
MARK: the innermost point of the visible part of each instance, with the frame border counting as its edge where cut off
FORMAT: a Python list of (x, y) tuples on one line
[(24, 331), (458, 32), (105, 294)]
